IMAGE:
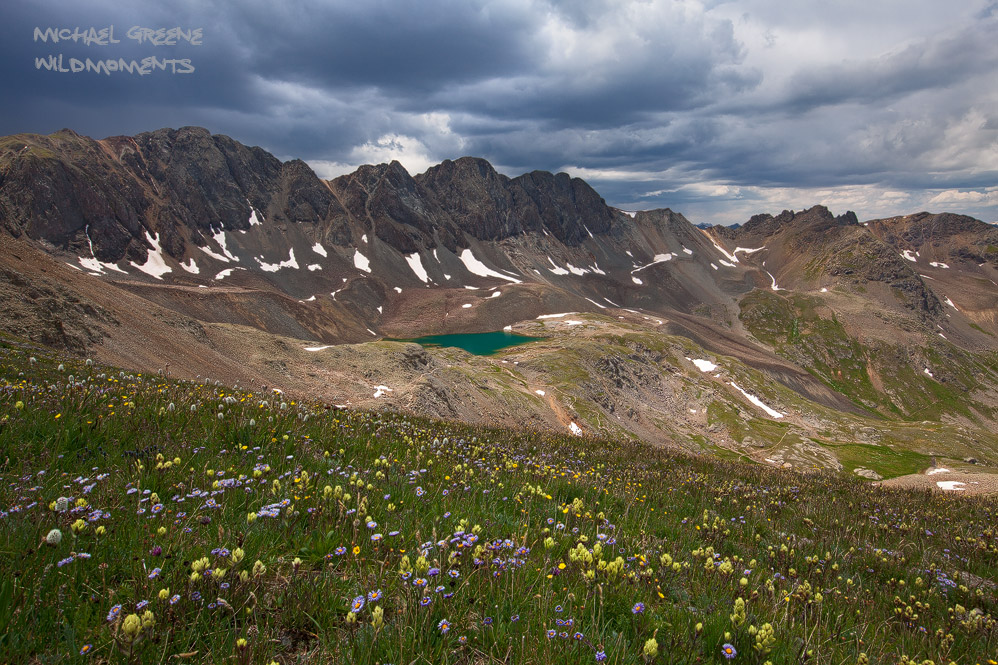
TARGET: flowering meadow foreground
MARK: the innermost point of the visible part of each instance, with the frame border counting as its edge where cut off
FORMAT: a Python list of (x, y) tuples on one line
[(144, 520)]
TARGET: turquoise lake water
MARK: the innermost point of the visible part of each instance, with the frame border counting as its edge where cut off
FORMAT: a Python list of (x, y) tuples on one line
[(479, 344)]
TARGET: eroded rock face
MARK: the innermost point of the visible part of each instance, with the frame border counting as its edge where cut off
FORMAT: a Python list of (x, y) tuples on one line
[(75, 192), (185, 184)]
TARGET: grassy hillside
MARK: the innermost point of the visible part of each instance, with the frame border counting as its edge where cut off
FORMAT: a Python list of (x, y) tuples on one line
[(892, 380), (144, 520)]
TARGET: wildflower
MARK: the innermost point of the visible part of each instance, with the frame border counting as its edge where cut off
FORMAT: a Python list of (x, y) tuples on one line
[(378, 618), (132, 626), (258, 568), (375, 596), (340, 551), (54, 537), (164, 593), (142, 603), (728, 651), (638, 608), (600, 656), (86, 649), (424, 601), (651, 649), (453, 574), (356, 550), (514, 618), (444, 626), (358, 604), (155, 573), (174, 599), (463, 639), (551, 633), (578, 636), (113, 614)]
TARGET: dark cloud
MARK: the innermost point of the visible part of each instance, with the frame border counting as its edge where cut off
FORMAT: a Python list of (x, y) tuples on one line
[(937, 63), (720, 109)]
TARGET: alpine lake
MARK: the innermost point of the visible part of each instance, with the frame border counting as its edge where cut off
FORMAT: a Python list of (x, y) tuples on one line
[(479, 344)]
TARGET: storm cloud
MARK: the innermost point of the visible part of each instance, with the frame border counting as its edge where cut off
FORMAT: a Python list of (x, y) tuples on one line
[(716, 109)]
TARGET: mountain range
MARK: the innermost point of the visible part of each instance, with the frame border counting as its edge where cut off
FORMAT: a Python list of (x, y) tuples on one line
[(804, 339)]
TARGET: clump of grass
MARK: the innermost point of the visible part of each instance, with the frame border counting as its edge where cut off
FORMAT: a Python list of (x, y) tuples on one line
[(197, 523)]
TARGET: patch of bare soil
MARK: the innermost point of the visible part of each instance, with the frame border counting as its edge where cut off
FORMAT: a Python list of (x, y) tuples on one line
[(961, 482)]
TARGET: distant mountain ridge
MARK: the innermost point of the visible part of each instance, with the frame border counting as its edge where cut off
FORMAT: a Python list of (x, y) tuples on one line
[(186, 247), (187, 181)]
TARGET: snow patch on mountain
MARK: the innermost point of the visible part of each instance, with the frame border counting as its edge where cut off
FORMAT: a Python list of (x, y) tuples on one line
[(253, 219), (659, 258), (227, 256), (773, 413), (558, 270), (360, 261), (703, 365), (476, 267), (290, 262), (416, 264), (92, 263), (155, 265)]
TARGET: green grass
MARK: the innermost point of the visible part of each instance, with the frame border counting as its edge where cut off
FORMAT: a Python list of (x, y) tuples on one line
[(530, 533), (882, 378), (888, 462)]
